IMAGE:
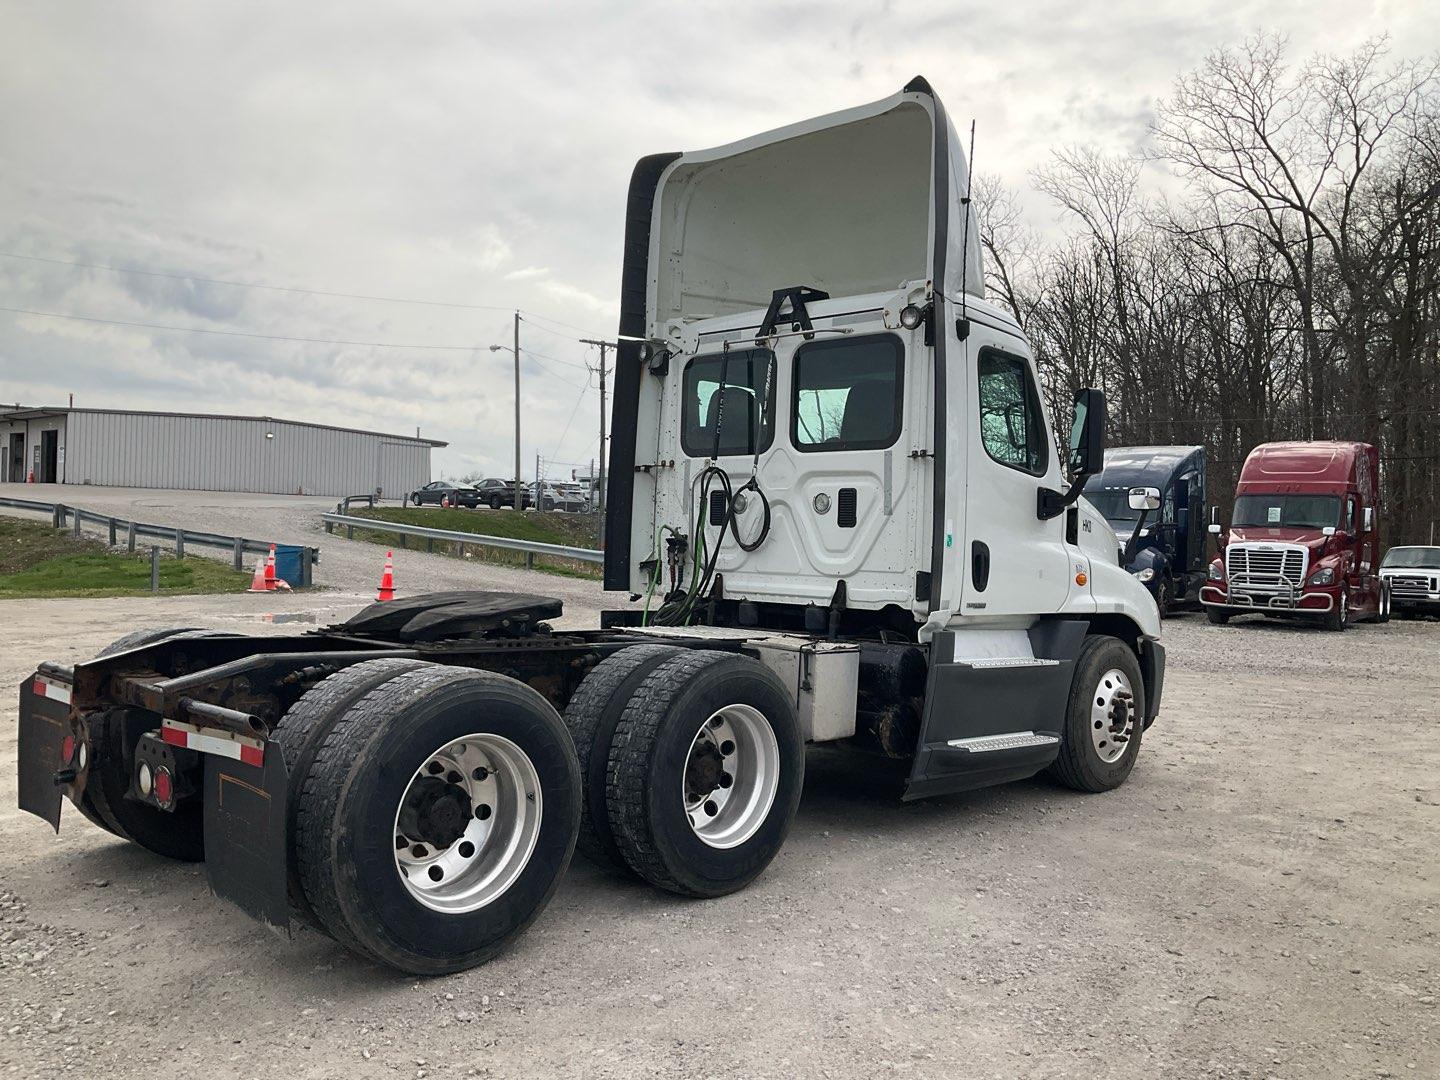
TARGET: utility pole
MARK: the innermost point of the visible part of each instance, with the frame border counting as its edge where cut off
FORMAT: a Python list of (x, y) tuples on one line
[(519, 491), (539, 487), (603, 345)]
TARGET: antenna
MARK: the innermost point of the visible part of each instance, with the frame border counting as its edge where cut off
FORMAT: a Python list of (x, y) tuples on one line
[(962, 328)]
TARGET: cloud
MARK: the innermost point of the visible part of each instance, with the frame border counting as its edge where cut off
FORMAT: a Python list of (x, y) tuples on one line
[(476, 155)]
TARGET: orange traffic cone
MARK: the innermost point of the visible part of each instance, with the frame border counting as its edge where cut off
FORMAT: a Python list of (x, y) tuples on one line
[(387, 579), (270, 570), (257, 583)]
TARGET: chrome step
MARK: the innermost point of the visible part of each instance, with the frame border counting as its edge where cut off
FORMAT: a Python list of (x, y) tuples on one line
[(1014, 740), (1008, 662)]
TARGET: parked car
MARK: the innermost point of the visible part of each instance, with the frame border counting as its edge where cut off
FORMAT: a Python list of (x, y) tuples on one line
[(565, 497), (498, 494), (451, 491), (1412, 574)]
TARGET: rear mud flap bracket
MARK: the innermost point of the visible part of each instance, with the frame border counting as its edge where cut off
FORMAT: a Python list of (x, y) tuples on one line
[(245, 835)]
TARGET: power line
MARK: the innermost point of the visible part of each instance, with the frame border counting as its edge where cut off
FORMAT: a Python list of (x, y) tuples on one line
[(73, 264), (250, 284), (238, 333)]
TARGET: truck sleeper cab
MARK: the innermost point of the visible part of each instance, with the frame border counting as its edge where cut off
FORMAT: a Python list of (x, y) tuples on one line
[(838, 509), (1304, 538), (1164, 549)]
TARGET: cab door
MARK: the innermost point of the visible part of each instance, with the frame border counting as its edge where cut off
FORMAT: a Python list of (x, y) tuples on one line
[(1014, 562)]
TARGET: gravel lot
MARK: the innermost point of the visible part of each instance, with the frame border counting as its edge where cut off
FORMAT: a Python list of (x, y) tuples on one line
[(1261, 899)]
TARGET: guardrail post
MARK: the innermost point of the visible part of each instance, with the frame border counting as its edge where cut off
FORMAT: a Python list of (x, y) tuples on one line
[(112, 532), (529, 560), (154, 569), (239, 553), (77, 524), (430, 545), (130, 536), (330, 525), (349, 532), (57, 516), (179, 543)]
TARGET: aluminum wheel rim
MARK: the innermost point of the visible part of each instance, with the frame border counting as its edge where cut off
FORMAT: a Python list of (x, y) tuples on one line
[(732, 773), (1112, 715), (505, 808)]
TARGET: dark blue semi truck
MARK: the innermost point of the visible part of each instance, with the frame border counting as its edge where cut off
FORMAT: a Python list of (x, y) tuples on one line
[(1164, 548)]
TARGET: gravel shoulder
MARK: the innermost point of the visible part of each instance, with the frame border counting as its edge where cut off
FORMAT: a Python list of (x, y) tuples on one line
[(1261, 899)]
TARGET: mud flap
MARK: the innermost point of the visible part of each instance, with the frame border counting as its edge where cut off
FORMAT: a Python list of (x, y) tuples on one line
[(245, 835), (44, 722)]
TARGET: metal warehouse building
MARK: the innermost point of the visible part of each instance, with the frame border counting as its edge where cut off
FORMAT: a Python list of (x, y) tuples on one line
[(207, 453)]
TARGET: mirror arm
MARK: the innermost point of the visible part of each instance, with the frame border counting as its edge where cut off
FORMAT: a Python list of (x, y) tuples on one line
[(1051, 504), (1134, 539)]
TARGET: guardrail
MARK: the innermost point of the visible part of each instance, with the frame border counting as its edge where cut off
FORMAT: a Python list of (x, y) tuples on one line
[(531, 548), (72, 517)]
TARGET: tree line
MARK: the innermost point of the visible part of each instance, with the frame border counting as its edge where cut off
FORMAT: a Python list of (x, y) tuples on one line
[(1289, 288)]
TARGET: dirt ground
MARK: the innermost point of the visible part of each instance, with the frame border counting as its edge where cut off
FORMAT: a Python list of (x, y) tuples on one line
[(1261, 899)]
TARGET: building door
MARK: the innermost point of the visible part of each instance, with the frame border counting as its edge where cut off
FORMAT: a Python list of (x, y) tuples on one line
[(15, 460), (49, 457)]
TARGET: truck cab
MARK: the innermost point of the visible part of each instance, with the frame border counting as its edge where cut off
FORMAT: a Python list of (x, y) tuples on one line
[(1304, 537), (1164, 548), (836, 434)]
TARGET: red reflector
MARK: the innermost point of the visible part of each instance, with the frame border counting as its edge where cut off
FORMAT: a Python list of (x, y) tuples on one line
[(163, 787), (173, 736), (252, 755), (67, 748)]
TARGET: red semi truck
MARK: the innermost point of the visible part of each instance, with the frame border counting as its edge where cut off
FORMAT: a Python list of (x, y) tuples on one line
[(1304, 538)]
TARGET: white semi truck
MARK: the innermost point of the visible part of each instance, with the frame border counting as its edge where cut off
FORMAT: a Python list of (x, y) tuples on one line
[(839, 511)]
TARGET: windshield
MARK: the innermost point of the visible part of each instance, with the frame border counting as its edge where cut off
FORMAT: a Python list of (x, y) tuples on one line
[(1288, 511), (1113, 505), (1413, 558)]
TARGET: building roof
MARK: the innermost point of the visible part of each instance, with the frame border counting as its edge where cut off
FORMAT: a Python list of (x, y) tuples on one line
[(40, 412)]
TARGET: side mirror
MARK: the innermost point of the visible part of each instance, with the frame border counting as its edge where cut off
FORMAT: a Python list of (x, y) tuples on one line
[(1214, 529), (1369, 518), (1087, 434), (1144, 498), (1328, 530)]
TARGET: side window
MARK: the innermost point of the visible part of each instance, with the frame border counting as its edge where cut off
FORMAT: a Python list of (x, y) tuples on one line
[(746, 376), (847, 394), (1011, 427)]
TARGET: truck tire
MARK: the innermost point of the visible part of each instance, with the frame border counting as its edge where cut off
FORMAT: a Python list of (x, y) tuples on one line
[(1382, 613), (177, 834), (476, 774), (1338, 617), (591, 716), (1107, 699), (705, 773), (299, 734), (1217, 616)]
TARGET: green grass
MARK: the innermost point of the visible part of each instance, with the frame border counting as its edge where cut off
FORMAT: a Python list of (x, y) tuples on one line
[(572, 530), (37, 561)]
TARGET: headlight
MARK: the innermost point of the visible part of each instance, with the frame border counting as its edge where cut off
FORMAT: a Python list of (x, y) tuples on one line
[(1216, 574), (911, 316), (1323, 576), (1148, 574)]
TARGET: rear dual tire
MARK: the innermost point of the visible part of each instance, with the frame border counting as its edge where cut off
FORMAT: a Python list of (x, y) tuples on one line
[(702, 771), (356, 798)]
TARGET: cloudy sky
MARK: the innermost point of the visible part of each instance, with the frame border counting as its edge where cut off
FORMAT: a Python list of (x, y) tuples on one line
[(473, 153)]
